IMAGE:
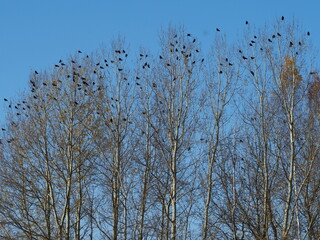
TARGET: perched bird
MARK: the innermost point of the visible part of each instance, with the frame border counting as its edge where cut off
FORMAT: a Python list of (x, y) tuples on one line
[(308, 33), (160, 57), (220, 72), (120, 69), (6, 100), (188, 34), (252, 57), (245, 58), (79, 51), (240, 51), (36, 72), (282, 18), (217, 29), (269, 40), (279, 34), (247, 22), (56, 65), (299, 43), (3, 129)]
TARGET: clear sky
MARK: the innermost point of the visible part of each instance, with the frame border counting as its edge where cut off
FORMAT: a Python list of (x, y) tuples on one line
[(35, 34)]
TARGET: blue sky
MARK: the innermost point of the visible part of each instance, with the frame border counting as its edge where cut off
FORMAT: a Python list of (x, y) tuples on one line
[(35, 34)]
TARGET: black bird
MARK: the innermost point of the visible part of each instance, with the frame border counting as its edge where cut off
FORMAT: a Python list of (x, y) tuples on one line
[(250, 44), (56, 65), (247, 22), (308, 33), (261, 49), (299, 43), (240, 51), (252, 73), (168, 64), (269, 40), (117, 51), (282, 18), (279, 34), (188, 34), (244, 58), (230, 64), (6, 100), (194, 40), (254, 36), (36, 72), (79, 51), (291, 44), (311, 73), (253, 41), (160, 57), (218, 30), (252, 57), (273, 36), (175, 36), (137, 78), (120, 59), (202, 60), (220, 72), (227, 59), (3, 129)]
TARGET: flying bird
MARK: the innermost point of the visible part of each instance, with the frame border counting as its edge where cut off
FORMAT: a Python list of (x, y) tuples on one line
[(79, 51), (218, 30), (252, 73), (269, 40), (36, 72), (6, 100)]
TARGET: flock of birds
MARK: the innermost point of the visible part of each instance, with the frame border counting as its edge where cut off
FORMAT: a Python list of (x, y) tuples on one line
[(84, 82)]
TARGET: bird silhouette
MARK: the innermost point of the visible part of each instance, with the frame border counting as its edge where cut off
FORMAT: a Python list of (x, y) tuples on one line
[(252, 73), (79, 51), (279, 34), (291, 44), (245, 58), (308, 33), (6, 100), (217, 29), (282, 18), (247, 22), (160, 57), (36, 72), (240, 51), (269, 40)]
